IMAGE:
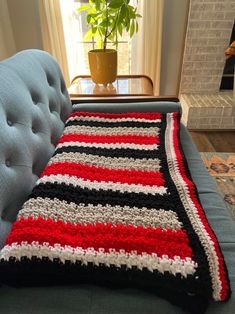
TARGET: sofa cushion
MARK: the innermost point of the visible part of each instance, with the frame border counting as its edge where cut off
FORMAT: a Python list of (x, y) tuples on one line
[(34, 105), (115, 107)]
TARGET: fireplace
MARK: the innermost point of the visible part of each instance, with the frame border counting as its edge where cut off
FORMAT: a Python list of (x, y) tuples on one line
[(208, 34), (227, 81)]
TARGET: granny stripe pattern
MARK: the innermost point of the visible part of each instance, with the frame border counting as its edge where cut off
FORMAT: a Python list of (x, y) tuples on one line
[(117, 200)]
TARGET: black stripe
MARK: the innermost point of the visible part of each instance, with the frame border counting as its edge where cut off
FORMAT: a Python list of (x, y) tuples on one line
[(107, 152), (41, 272), (114, 124), (78, 195)]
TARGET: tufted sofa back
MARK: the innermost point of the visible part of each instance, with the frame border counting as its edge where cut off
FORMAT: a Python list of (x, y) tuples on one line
[(34, 105)]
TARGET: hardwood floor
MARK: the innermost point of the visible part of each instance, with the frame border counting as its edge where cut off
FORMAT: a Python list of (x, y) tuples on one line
[(214, 141)]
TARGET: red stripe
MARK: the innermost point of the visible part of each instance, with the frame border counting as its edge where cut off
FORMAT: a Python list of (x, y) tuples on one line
[(128, 238), (107, 139), (135, 115), (192, 192), (94, 173)]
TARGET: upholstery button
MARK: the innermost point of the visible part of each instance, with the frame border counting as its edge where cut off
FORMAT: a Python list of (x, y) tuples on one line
[(9, 122), (50, 80), (8, 163), (51, 107), (35, 98)]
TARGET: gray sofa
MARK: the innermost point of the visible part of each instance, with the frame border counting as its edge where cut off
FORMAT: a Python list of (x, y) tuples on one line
[(34, 105)]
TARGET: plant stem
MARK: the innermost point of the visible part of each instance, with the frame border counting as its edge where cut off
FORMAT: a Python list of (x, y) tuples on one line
[(106, 36), (106, 31), (114, 25)]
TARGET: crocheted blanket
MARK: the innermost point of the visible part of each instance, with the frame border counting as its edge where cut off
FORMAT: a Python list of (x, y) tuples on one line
[(116, 205)]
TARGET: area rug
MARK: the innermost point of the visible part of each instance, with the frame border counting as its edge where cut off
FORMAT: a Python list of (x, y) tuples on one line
[(222, 167)]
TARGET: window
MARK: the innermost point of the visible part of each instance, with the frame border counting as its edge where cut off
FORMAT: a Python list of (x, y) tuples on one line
[(77, 49)]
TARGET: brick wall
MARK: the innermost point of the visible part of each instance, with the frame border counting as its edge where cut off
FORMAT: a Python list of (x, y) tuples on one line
[(206, 111), (208, 33)]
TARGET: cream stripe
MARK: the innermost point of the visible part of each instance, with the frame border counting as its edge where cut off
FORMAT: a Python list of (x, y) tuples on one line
[(100, 119), (117, 258), (91, 214), (192, 211), (102, 185), (110, 146), (108, 162), (151, 131)]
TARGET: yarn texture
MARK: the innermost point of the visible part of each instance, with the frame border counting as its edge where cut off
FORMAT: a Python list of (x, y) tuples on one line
[(116, 205)]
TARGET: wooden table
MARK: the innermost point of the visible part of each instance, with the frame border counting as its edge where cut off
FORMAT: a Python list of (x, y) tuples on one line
[(125, 85)]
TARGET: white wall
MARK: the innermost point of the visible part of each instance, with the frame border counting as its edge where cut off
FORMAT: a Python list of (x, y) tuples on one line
[(25, 21), (174, 30), (7, 45)]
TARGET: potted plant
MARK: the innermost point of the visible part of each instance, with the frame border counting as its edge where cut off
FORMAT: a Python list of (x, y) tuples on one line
[(107, 19)]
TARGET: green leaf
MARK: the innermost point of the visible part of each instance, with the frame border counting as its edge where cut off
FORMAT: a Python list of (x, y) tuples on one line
[(88, 18), (101, 30), (89, 35), (137, 27), (93, 15), (104, 23), (94, 29), (131, 12), (127, 17), (83, 8), (98, 39), (122, 13), (119, 27), (115, 4), (132, 28), (97, 4)]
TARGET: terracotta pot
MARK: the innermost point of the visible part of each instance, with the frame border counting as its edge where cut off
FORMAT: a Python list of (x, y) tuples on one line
[(103, 65)]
